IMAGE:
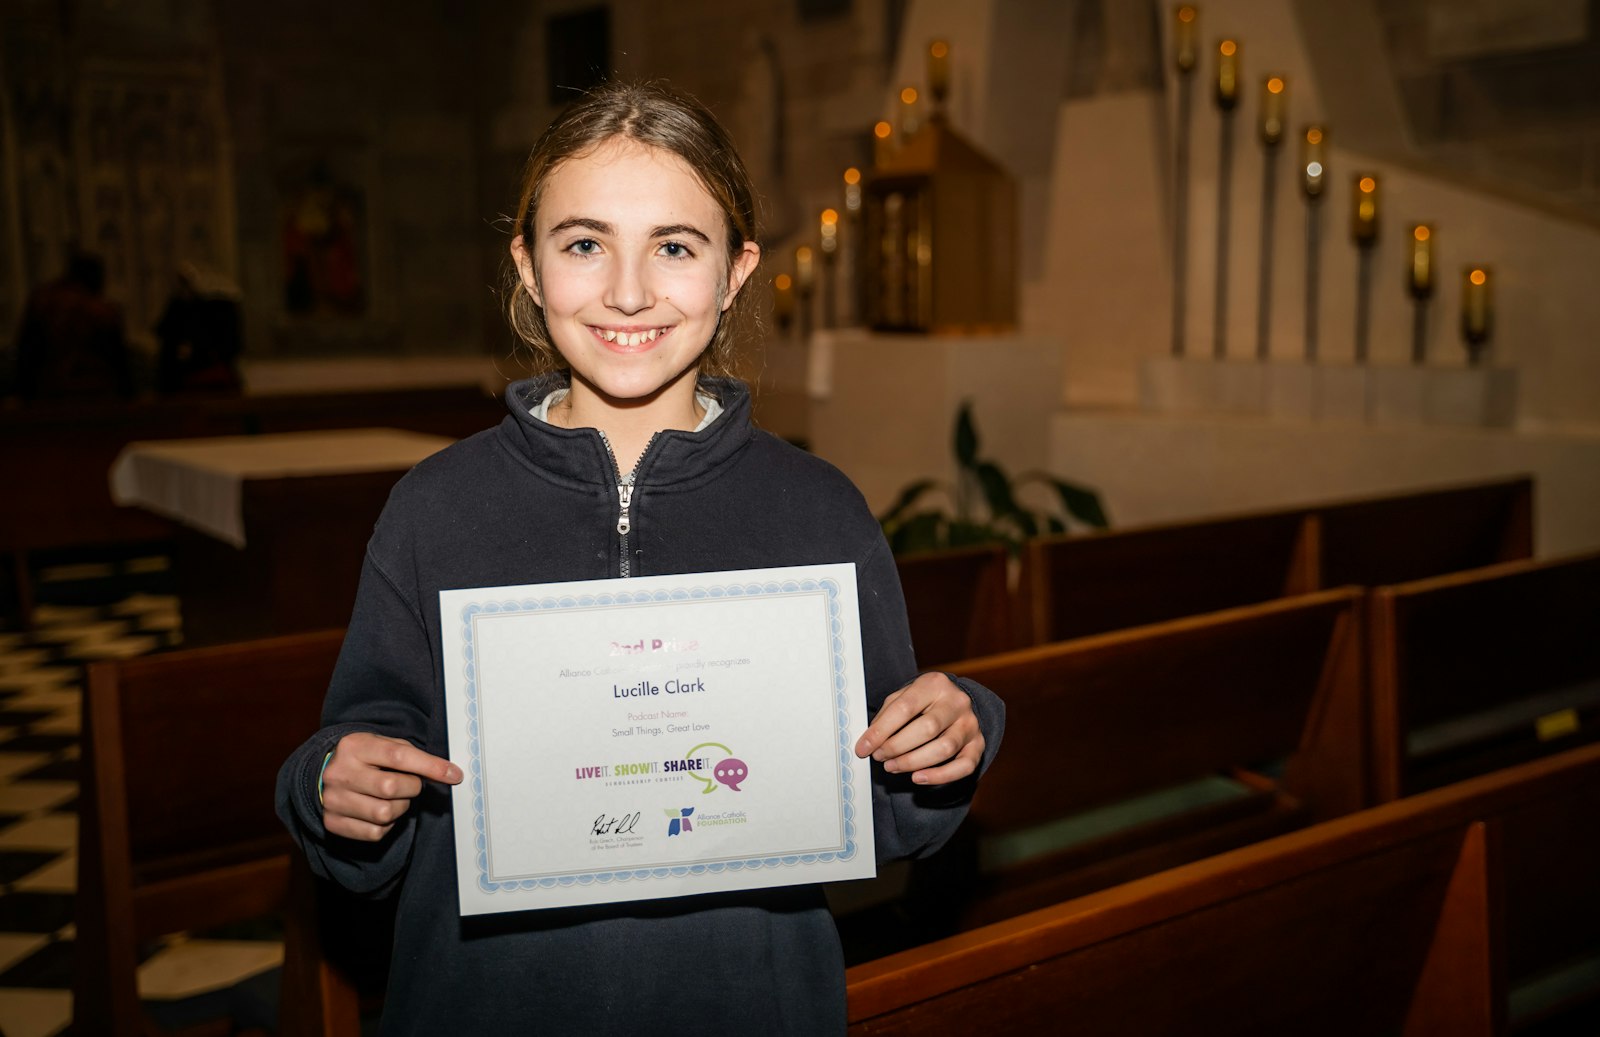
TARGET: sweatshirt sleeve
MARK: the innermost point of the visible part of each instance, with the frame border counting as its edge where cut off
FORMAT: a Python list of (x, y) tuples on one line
[(911, 820), (383, 683)]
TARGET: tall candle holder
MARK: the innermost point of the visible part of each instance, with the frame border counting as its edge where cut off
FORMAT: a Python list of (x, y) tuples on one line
[(1227, 97), (1477, 312), (1364, 232), (1185, 57), (783, 302), (852, 273), (1419, 282), (828, 233), (909, 114), (1314, 170), (805, 281), (938, 76), (882, 143), (1273, 103)]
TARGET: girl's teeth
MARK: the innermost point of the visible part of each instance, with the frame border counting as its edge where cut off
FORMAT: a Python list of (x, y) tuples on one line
[(626, 340)]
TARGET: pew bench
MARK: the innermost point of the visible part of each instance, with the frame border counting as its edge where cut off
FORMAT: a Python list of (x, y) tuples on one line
[(1397, 919), (176, 824)]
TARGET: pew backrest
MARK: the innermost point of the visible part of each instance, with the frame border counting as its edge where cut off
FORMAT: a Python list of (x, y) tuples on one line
[(1388, 920), (177, 827), (1075, 585), (1104, 718), (1478, 669), (957, 603)]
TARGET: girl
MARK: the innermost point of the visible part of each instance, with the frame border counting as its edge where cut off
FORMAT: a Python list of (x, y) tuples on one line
[(631, 454)]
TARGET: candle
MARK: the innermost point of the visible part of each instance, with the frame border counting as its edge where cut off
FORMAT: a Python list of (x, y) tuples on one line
[(1311, 160), (909, 121), (1273, 102), (1420, 279), (829, 230), (1227, 75), (804, 271), (939, 71), (882, 144), (852, 190), (1364, 209), (1183, 33), (1477, 306), (783, 298)]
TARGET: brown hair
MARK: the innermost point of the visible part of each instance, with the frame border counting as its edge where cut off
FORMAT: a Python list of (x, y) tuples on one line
[(656, 115)]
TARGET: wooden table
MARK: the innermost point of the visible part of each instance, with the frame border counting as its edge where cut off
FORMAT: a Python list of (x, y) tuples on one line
[(273, 526)]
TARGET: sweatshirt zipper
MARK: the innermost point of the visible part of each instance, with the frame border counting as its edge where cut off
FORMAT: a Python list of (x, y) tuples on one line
[(624, 503)]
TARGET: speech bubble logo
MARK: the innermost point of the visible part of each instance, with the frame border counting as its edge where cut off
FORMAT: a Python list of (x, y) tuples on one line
[(710, 785), (731, 772)]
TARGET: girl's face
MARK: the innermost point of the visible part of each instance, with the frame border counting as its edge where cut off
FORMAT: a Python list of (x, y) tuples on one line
[(630, 264)]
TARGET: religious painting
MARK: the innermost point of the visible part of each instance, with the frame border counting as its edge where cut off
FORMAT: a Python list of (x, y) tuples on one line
[(322, 231)]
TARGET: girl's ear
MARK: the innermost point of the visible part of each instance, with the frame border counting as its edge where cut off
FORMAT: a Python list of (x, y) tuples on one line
[(524, 260), (743, 265)]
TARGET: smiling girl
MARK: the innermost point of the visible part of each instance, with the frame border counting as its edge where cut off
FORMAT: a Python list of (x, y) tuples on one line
[(631, 453)]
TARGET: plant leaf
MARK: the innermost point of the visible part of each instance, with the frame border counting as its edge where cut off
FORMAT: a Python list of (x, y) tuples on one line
[(996, 489), (1081, 503), (966, 436), (908, 496), (969, 534), (924, 531)]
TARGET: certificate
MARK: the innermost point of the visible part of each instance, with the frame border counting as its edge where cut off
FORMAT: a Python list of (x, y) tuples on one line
[(656, 736)]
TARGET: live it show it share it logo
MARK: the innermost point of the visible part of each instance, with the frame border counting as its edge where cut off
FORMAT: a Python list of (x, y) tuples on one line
[(729, 771)]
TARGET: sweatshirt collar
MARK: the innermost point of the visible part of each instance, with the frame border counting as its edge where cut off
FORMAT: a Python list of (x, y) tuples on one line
[(580, 455)]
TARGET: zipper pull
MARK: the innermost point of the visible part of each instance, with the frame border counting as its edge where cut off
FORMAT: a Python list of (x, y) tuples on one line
[(625, 495)]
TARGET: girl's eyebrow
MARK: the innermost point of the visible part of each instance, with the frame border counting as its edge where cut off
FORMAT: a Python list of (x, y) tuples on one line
[(571, 222), (678, 230)]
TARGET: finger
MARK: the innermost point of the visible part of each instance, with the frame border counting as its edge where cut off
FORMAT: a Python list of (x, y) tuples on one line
[(350, 828), (922, 730), (964, 765), (366, 809), (941, 744), (897, 710), (371, 781), (397, 754)]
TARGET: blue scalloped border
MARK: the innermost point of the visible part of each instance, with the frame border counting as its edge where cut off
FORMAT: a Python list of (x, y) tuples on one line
[(645, 597)]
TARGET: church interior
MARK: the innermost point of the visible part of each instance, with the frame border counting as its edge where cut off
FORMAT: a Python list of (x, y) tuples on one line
[(1225, 377)]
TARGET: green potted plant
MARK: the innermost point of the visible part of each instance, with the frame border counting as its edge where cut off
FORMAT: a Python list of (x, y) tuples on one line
[(983, 505)]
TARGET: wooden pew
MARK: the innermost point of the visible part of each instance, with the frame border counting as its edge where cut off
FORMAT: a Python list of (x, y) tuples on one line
[(176, 824), (957, 603), (1146, 720), (1391, 920), (1481, 669), (1077, 585)]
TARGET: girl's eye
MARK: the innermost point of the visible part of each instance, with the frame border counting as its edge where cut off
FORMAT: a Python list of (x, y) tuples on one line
[(675, 250), (584, 247)]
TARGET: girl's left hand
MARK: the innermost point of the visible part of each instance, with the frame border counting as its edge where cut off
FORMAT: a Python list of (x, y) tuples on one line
[(927, 728)]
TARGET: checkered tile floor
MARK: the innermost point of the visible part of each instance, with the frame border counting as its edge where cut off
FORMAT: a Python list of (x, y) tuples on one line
[(182, 980)]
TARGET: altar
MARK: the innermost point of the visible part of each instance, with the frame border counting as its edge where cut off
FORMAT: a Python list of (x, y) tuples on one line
[(273, 527)]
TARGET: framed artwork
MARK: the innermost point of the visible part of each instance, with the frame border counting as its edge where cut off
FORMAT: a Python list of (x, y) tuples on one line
[(321, 240)]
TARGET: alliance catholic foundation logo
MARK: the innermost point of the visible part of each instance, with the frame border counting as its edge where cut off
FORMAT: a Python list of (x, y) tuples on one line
[(730, 772)]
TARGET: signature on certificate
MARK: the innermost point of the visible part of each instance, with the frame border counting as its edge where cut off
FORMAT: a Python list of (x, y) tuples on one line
[(623, 825)]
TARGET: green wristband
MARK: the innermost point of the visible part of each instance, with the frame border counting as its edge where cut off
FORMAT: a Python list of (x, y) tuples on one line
[(320, 773)]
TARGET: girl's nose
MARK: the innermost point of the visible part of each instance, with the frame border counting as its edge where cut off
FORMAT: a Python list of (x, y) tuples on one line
[(628, 290)]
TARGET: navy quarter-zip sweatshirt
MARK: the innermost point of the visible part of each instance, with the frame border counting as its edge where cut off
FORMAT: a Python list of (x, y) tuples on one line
[(528, 502)]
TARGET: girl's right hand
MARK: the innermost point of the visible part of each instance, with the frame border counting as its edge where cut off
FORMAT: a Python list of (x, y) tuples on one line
[(370, 781)]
